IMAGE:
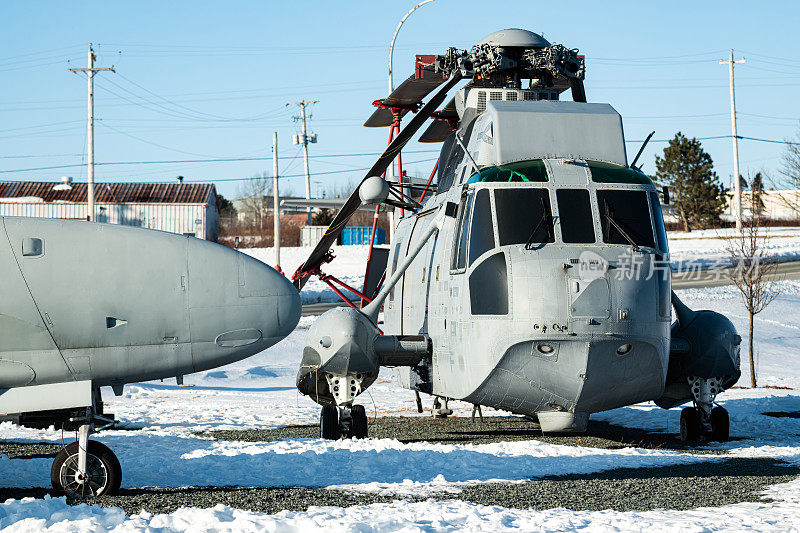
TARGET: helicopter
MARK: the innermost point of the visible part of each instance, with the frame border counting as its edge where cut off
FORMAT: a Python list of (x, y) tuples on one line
[(532, 275), (86, 305)]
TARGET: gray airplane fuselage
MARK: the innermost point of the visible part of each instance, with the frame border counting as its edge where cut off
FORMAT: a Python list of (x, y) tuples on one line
[(112, 305), (555, 316)]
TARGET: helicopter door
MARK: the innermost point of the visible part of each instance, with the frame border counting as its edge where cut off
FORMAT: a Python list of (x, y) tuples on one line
[(416, 280)]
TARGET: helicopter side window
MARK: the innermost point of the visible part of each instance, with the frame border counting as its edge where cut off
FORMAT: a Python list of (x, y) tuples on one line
[(460, 251), (575, 215), (481, 237), (524, 216), (658, 219), (625, 217)]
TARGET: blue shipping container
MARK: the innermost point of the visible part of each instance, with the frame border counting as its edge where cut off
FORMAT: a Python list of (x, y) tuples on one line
[(361, 235)]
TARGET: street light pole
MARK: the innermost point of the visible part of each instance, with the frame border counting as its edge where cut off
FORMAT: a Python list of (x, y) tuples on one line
[(396, 31)]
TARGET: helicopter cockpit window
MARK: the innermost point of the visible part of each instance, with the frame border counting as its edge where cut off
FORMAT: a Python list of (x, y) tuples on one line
[(460, 251), (575, 215), (449, 158), (611, 173), (523, 216), (521, 172), (481, 237), (625, 217)]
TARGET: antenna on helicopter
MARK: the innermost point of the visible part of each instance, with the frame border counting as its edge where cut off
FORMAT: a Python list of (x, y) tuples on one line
[(635, 159)]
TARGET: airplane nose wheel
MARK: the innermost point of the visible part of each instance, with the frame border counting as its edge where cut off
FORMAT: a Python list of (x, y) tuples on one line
[(102, 474), (337, 422)]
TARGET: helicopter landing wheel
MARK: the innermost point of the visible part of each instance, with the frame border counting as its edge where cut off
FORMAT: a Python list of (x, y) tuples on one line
[(720, 424), (329, 423), (103, 474), (358, 422), (691, 426)]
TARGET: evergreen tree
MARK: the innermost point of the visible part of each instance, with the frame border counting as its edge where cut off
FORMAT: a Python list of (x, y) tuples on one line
[(687, 169), (323, 217), (757, 196)]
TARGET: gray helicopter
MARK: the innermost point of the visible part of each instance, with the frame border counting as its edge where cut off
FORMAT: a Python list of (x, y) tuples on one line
[(535, 279), (85, 305)]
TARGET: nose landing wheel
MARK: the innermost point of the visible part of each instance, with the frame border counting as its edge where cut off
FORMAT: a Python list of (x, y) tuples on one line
[(337, 422), (101, 476)]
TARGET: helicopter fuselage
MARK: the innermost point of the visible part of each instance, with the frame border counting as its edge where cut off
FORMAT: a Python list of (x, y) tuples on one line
[(549, 293)]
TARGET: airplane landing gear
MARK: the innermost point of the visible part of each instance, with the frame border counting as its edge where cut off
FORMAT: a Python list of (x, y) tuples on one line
[(343, 421), (440, 409), (704, 421), (86, 468)]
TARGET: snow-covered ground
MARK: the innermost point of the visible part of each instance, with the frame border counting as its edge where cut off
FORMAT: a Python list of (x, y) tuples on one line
[(707, 248), (348, 266), (165, 451)]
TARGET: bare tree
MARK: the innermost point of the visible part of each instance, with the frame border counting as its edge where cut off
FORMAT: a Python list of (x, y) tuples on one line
[(788, 179), (753, 274), (253, 197)]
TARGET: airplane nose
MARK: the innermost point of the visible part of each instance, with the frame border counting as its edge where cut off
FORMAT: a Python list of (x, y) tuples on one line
[(238, 306)]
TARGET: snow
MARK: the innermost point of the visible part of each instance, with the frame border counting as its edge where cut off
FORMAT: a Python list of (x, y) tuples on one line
[(707, 248), (164, 419)]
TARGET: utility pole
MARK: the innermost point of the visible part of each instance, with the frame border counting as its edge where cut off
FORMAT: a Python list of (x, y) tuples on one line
[(276, 214), (90, 130), (737, 182), (304, 139)]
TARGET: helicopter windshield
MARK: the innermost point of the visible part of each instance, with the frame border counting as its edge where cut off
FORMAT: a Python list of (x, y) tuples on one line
[(521, 172), (625, 217)]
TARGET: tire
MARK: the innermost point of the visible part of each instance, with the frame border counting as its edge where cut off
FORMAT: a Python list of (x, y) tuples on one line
[(720, 424), (329, 423), (358, 422), (690, 424), (104, 471)]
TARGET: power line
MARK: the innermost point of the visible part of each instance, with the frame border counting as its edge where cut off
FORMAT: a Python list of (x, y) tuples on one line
[(210, 160), (327, 172)]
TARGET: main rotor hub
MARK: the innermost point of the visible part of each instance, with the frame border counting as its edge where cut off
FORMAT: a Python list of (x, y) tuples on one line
[(515, 38)]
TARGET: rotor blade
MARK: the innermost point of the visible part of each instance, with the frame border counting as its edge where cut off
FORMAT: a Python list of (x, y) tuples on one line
[(578, 91), (351, 205), (406, 96), (440, 128)]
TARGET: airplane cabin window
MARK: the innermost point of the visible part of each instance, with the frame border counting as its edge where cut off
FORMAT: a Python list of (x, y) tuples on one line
[(460, 250), (575, 215), (612, 173), (482, 234), (521, 172), (658, 219), (524, 216), (625, 217)]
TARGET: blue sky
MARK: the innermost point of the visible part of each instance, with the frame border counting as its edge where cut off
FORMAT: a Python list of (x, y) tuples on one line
[(200, 80)]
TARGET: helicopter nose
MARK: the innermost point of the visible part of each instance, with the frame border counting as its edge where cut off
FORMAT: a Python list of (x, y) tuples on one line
[(238, 306)]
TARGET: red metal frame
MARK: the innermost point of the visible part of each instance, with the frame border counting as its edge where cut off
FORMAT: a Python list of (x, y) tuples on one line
[(430, 179)]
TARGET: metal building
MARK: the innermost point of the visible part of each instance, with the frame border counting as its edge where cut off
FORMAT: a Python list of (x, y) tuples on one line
[(188, 209)]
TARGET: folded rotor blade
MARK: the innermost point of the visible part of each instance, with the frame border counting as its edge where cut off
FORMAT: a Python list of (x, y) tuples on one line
[(353, 202), (406, 96), (443, 126)]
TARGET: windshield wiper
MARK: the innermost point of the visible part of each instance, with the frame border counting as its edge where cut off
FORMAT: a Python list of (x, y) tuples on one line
[(547, 217), (618, 227)]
